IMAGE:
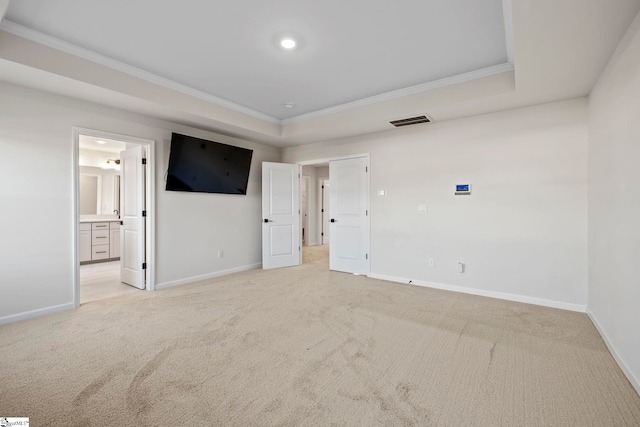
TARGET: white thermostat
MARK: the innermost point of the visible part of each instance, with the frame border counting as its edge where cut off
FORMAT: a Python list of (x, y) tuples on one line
[(463, 189)]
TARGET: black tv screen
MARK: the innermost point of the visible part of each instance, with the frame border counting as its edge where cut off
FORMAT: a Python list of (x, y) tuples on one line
[(203, 166)]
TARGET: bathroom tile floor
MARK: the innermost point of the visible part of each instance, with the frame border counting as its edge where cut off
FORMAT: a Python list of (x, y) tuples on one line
[(102, 280)]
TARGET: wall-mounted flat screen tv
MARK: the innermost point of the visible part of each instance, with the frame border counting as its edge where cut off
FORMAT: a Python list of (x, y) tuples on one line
[(202, 166)]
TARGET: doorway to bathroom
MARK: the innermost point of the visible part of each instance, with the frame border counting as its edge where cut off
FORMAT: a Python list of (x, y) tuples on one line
[(114, 219)]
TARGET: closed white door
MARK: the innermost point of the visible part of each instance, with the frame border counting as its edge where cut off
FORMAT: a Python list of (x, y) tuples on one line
[(132, 205), (326, 212), (280, 215), (349, 222)]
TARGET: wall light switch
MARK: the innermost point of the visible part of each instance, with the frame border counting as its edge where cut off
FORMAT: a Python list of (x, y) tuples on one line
[(382, 192), (422, 208)]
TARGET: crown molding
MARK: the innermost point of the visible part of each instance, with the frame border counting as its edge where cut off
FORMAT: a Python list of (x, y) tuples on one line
[(412, 90), (56, 43)]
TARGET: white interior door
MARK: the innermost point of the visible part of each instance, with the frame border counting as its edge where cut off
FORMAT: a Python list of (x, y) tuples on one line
[(304, 206), (326, 212), (349, 223), (280, 215), (132, 216)]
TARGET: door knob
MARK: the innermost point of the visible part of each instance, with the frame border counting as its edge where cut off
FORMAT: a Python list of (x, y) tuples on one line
[(333, 220), (267, 220)]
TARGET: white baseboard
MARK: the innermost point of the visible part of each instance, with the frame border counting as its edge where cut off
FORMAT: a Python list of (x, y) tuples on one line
[(484, 293), (206, 276), (635, 382), (35, 313)]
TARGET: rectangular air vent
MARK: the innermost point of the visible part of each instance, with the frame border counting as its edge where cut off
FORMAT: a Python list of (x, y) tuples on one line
[(410, 121)]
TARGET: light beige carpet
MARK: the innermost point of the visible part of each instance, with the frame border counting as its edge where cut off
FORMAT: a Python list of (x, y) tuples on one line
[(306, 346)]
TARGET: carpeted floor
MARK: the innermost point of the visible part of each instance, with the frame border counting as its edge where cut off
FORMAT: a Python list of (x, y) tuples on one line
[(306, 346)]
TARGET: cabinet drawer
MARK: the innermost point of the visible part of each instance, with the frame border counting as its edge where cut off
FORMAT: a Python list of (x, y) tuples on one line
[(99, 225), (100, 252), (99, 237), (85, 226), (114, 225)]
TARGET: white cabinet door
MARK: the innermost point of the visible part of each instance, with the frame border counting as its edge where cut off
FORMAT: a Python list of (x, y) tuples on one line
[(114, 243), (85, 245)]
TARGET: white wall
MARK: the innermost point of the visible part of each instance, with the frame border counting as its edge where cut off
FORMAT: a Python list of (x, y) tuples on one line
[(614, 204), (36, 219), (95, 158), (523, 232), (323, 172)]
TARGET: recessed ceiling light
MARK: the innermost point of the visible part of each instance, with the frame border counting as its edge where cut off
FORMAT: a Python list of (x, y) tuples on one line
[(288, 104), (99, 141), (288, 42)]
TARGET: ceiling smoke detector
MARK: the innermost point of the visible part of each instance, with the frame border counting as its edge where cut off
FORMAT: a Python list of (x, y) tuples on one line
[(288, 105)]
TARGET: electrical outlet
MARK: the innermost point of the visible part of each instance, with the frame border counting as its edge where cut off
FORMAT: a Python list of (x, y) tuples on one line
[(431, 262), (220, 254)]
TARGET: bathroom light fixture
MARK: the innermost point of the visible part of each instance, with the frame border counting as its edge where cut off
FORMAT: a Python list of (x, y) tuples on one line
[(99, 141), (112, 164)]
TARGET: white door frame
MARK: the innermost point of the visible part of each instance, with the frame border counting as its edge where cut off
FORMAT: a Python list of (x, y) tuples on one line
[(150, 192), (368, 191)]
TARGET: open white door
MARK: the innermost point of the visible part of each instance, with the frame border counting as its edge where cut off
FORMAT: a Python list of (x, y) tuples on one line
[(132, 208), (349, 223), (326, 213), (280, 215), (304, 207)]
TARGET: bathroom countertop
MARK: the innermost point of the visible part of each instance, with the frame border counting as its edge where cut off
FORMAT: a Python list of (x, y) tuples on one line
[(99, 220)]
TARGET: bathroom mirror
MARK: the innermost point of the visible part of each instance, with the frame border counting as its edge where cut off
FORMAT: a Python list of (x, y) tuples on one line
[(89, 192), (99, 191)]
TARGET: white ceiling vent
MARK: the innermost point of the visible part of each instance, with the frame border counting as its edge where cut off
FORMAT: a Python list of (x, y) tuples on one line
[(410, 121)]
